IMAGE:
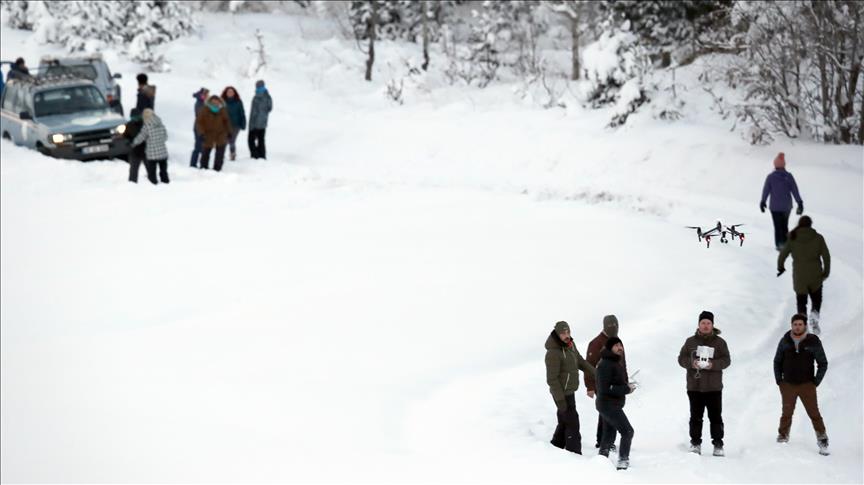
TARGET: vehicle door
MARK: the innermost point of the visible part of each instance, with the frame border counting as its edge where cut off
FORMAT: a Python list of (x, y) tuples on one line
[(9, 113)]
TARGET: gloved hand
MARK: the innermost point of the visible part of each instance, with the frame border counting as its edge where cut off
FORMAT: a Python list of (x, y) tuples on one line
[(632, 386), (800, 209), (762, 207), (780, 271), (779, 382)]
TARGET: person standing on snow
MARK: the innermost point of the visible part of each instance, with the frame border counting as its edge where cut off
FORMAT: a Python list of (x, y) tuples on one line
[(809, 252), (200, 98), (215, 127), (237, 116), (259, 113), (704, 356), (562, 374), (146, 94), (138, 153), (18, 70), (781, 186), (612, 389), (794, 373), (610, 329), (154, 133)]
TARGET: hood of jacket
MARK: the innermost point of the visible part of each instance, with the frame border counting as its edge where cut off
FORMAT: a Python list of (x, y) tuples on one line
[(554, 342)]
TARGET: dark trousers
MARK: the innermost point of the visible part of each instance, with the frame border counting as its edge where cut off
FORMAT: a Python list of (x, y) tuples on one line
[(567, 432), (256, 143), (815, 298), (600, 431), (698, 402), (790, 393), (614, 420), (196, 152), (781, 227), (135, 166), (219, 160), (162, 165), (232, 139)]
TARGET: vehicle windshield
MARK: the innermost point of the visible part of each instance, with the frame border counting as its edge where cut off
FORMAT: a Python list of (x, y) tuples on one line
[(86, 71), (68, 100)]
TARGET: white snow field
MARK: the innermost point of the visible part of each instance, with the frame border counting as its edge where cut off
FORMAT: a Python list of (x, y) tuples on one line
[(370, 304)]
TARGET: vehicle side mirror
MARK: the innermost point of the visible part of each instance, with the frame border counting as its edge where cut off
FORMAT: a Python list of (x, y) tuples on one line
[(24, 115), (117, 75)]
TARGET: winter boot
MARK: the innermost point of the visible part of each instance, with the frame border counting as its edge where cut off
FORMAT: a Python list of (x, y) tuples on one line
[(781, 438), (696, 449), (822, 441), (623, 463), (718, 451), (233, 156), (603, 452), (613, 448), (814, 323)]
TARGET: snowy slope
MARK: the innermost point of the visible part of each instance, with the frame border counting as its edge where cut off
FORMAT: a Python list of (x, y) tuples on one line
[(370, 304)]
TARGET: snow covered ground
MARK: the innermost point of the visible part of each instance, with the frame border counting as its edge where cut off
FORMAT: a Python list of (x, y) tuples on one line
[(370, 304)]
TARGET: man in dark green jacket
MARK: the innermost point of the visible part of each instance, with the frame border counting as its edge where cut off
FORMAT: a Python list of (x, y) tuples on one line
[(809, 253), (705, 355), (563, 362), (795, 375)]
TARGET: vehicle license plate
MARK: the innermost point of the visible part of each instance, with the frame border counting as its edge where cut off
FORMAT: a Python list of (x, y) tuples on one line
[(95, 149)]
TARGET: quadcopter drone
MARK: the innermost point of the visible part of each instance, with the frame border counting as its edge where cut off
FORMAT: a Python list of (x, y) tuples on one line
[(719, 231)]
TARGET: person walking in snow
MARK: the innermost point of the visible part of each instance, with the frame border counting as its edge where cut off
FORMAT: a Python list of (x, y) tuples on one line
[(794, 373), (259, 113), (215, 127), (563, 362), (237, 116), (592, 355), (612, 389), (704, 356), (809, 253), (146, 94), (781, 186), (153, 132), (200, 98), (138, 153)]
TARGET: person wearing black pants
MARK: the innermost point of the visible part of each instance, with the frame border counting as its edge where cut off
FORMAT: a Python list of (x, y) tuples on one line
[(781, 187), (612, 389), (781, 227), (162, 166), (704, 355), (137, 154), (257, 149)]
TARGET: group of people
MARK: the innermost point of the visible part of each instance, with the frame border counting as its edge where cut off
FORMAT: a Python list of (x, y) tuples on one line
[(800, 363), (218, 121)]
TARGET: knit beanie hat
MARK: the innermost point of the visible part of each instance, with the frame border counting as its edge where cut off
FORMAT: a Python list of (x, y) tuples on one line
[(562, 326), (611, 343), (610, 325), (780, 160), (706, 315), (259, 83)]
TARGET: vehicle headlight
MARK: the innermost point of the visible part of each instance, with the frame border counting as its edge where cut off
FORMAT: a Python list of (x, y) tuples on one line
[(120, 129), (58, 138)]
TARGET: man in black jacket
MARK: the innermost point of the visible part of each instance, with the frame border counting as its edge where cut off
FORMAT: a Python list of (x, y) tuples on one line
[(612, 387), (136, 153), (794, 373)]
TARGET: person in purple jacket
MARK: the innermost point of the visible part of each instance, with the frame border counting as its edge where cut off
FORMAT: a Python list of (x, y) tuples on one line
[(781, 186)]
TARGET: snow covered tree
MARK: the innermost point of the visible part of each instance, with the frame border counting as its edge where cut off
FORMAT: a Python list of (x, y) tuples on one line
[(137, 28), (581, 15), (801, 69)]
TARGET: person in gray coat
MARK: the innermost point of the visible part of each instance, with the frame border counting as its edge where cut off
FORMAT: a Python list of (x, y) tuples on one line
[(262, 104)]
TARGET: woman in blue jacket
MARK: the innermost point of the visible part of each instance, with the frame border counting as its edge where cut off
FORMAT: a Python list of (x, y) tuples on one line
[(237, 115)]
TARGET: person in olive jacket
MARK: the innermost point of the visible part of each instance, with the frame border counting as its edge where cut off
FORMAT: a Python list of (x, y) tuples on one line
[(809, 253), (562, 374), (612, 389), (795, 375), (610, 329), (705, 355)]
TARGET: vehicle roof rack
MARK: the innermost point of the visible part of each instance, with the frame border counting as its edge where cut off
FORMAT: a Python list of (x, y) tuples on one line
[(40, 79)]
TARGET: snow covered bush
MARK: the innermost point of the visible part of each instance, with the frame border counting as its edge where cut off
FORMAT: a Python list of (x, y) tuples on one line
[(136, 28), (616, 68)]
